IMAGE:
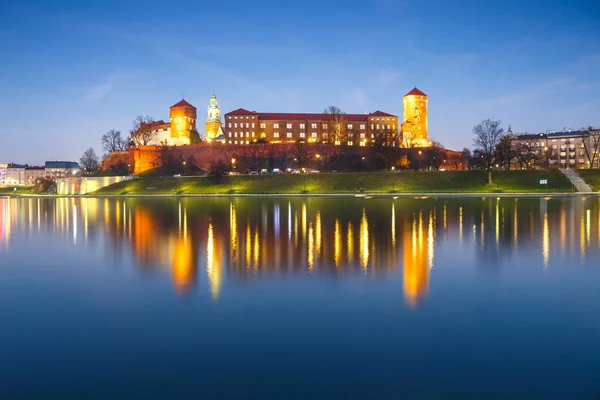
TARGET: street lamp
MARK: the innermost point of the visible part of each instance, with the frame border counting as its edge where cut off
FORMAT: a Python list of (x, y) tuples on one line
[(233, 167), (184, 168), (318, 161), (129, 169), (363, 163), (420, 153)]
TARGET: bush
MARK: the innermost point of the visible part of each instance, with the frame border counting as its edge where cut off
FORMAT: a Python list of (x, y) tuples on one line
[(45, 186), (218, 172)]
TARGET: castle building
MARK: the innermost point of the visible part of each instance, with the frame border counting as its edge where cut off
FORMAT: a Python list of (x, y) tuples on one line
[(179, 131), (244, 127), (414, 127), (213, 124)]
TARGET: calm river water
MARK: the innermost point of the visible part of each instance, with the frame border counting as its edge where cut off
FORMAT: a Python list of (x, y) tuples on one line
[(300, 298)]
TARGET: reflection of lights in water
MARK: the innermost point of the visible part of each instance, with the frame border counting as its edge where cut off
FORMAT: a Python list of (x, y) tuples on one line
[(482, 229), (546, 241), (75, 224), (256, 248), (582, 236), (248, 245), (364, 240), (318, 235), (497, 222), (185, 224), (183, 263), (417, 258), (311, 247), (276, 221), (106, 214), (213, 269), (430, 241), (337, 243), (460, 225), (303, 220), (117, 215), (563, 228), (233, 232), (588, 233), (350, 242), (296, 228), (393, 224), (39, 219), (516, 223), (445, 222), (290, 220)]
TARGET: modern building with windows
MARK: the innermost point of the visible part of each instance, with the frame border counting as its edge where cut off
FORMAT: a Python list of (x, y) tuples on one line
[(244, 127), (565, 149), (61, 169)]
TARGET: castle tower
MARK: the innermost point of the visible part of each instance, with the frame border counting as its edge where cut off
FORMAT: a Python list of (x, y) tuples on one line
[(183, 122), (414, 127), (213, 119)]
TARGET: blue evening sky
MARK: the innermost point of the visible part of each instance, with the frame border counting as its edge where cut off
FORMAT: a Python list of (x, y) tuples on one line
[(71, 69)]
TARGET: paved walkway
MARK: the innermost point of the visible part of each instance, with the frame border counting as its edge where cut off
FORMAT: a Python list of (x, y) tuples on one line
[(577, 181)]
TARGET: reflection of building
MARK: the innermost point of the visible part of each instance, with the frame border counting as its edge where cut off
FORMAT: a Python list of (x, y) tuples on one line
[(244, 127), (414, 127), (417, 248), (179, 131)]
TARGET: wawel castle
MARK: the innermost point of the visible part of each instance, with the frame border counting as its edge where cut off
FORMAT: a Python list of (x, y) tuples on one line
[(242, 126)]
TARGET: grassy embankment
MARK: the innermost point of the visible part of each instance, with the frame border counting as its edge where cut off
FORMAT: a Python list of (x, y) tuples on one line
[(371, 182), (591, 177), (21, 190)]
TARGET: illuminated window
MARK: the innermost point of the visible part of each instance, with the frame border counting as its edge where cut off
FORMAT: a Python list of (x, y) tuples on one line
[(276, 126), (229, 134), (264, 135), (263, 125), (275, 134), (350, 135), (372, 126), (313, 126), (253, 125), (289, 134), (247, 124), (235, 134), (362, 126), (349, 142), (324, 126), (302, 126), (314, 134), (349, 126), (302, 134), (377, 126), (230, 124), (252, 134), (235, 125), (362, 135), (289, 126)]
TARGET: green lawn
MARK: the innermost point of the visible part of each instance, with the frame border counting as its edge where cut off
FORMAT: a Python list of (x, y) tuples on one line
[(592, 177), (371, 182), (10, 190)]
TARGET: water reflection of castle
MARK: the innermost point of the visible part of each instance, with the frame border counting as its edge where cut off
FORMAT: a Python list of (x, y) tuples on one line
[(220, 239)]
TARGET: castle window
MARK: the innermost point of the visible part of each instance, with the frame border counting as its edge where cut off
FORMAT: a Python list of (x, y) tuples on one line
[(393, 126), (289, 134), (362, 135), (235, 134), (372, 126), (235, 125), (275, 134), (302, 126), (377, 126), (276, 126), (350, 135), (314, 134), (247, 125), (324, 126), (264, 135), (313, 126), (263, 125), (289, 126), (229, 134), (230, 124), (302, 134), (253, 125), (362, 126), (349, 142)]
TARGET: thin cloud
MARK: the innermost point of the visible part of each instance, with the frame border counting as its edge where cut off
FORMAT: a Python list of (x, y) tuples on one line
[(100, 91), (388, 76)]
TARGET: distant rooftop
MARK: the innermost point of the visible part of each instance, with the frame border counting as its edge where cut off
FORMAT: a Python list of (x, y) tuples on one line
[(62, 164)]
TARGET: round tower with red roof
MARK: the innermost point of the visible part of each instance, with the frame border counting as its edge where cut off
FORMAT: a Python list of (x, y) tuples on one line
[(414, 127)]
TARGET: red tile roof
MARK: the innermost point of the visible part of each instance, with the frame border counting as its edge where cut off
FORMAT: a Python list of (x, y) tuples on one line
[(182, 103), (382, 114), (415, 92), (241, 111)]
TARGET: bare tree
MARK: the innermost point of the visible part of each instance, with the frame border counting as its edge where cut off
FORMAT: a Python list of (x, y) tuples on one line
[(487, 136), (384, 145), (112, 141), (143, 132), (302, 153), (337, 125), (89, 160), (591, 146), (505, 152)]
